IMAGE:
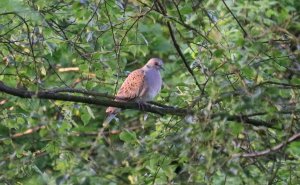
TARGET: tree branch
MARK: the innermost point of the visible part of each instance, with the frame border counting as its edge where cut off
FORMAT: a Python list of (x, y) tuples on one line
[(268, 151), (103, 99), (250, 121), (91, 100), (285, 85)]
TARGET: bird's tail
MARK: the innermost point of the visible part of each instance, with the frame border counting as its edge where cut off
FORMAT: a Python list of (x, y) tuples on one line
[(108, 119), (111, 114)]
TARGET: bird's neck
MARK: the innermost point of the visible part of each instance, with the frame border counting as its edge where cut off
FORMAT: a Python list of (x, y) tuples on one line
[(148, 68)]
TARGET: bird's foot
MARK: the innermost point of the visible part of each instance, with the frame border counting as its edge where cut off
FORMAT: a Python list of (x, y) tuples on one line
[(142, 105)]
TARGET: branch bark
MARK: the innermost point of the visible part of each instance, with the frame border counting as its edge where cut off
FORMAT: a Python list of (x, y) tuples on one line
[(268, 151), (91, 100), (94, 98)]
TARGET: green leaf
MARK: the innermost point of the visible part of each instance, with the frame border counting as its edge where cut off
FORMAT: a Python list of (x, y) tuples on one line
[(90, 112), (294, 148), (85, 116), (219, 52), (128, 136), (236, 128)]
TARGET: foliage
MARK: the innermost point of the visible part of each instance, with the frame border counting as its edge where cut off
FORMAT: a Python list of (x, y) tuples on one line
[(244, 55)]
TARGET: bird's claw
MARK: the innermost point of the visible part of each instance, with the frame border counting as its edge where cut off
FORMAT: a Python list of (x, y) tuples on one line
[(142, 105)]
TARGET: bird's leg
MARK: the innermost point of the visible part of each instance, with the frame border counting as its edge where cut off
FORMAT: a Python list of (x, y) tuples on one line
[(142, 105)]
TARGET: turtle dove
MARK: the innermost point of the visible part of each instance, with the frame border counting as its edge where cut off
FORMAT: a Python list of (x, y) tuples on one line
[(141, 86)]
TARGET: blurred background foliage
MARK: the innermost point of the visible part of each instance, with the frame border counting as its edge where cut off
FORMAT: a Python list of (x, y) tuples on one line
[(244, 54)]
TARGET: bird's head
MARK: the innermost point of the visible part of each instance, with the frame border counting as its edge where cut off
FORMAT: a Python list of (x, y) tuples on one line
[(155, 63)]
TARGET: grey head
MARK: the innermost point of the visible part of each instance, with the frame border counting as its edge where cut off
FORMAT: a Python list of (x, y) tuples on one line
[(155, 63)]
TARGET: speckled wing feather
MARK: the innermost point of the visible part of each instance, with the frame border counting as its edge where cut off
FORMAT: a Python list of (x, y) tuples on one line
[(131, 89), (132, 86)]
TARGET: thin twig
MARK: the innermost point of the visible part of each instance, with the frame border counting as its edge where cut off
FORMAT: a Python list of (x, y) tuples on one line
[(177, 47), (280, 84), (27, 132), (90, 19), (245, 33)]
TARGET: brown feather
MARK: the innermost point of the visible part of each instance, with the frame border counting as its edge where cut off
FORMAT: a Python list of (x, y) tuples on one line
[(130, 90)]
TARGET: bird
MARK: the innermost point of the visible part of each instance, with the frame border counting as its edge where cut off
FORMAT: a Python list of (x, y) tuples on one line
[(141, 85)]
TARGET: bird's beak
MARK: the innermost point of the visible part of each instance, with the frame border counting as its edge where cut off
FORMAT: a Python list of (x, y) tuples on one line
[(162, 68)]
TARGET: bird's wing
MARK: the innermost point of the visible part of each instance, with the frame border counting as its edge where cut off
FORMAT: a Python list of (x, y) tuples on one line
[(132, 86)]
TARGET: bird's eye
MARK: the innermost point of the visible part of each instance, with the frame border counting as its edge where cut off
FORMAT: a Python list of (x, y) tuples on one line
[(156, 63)]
